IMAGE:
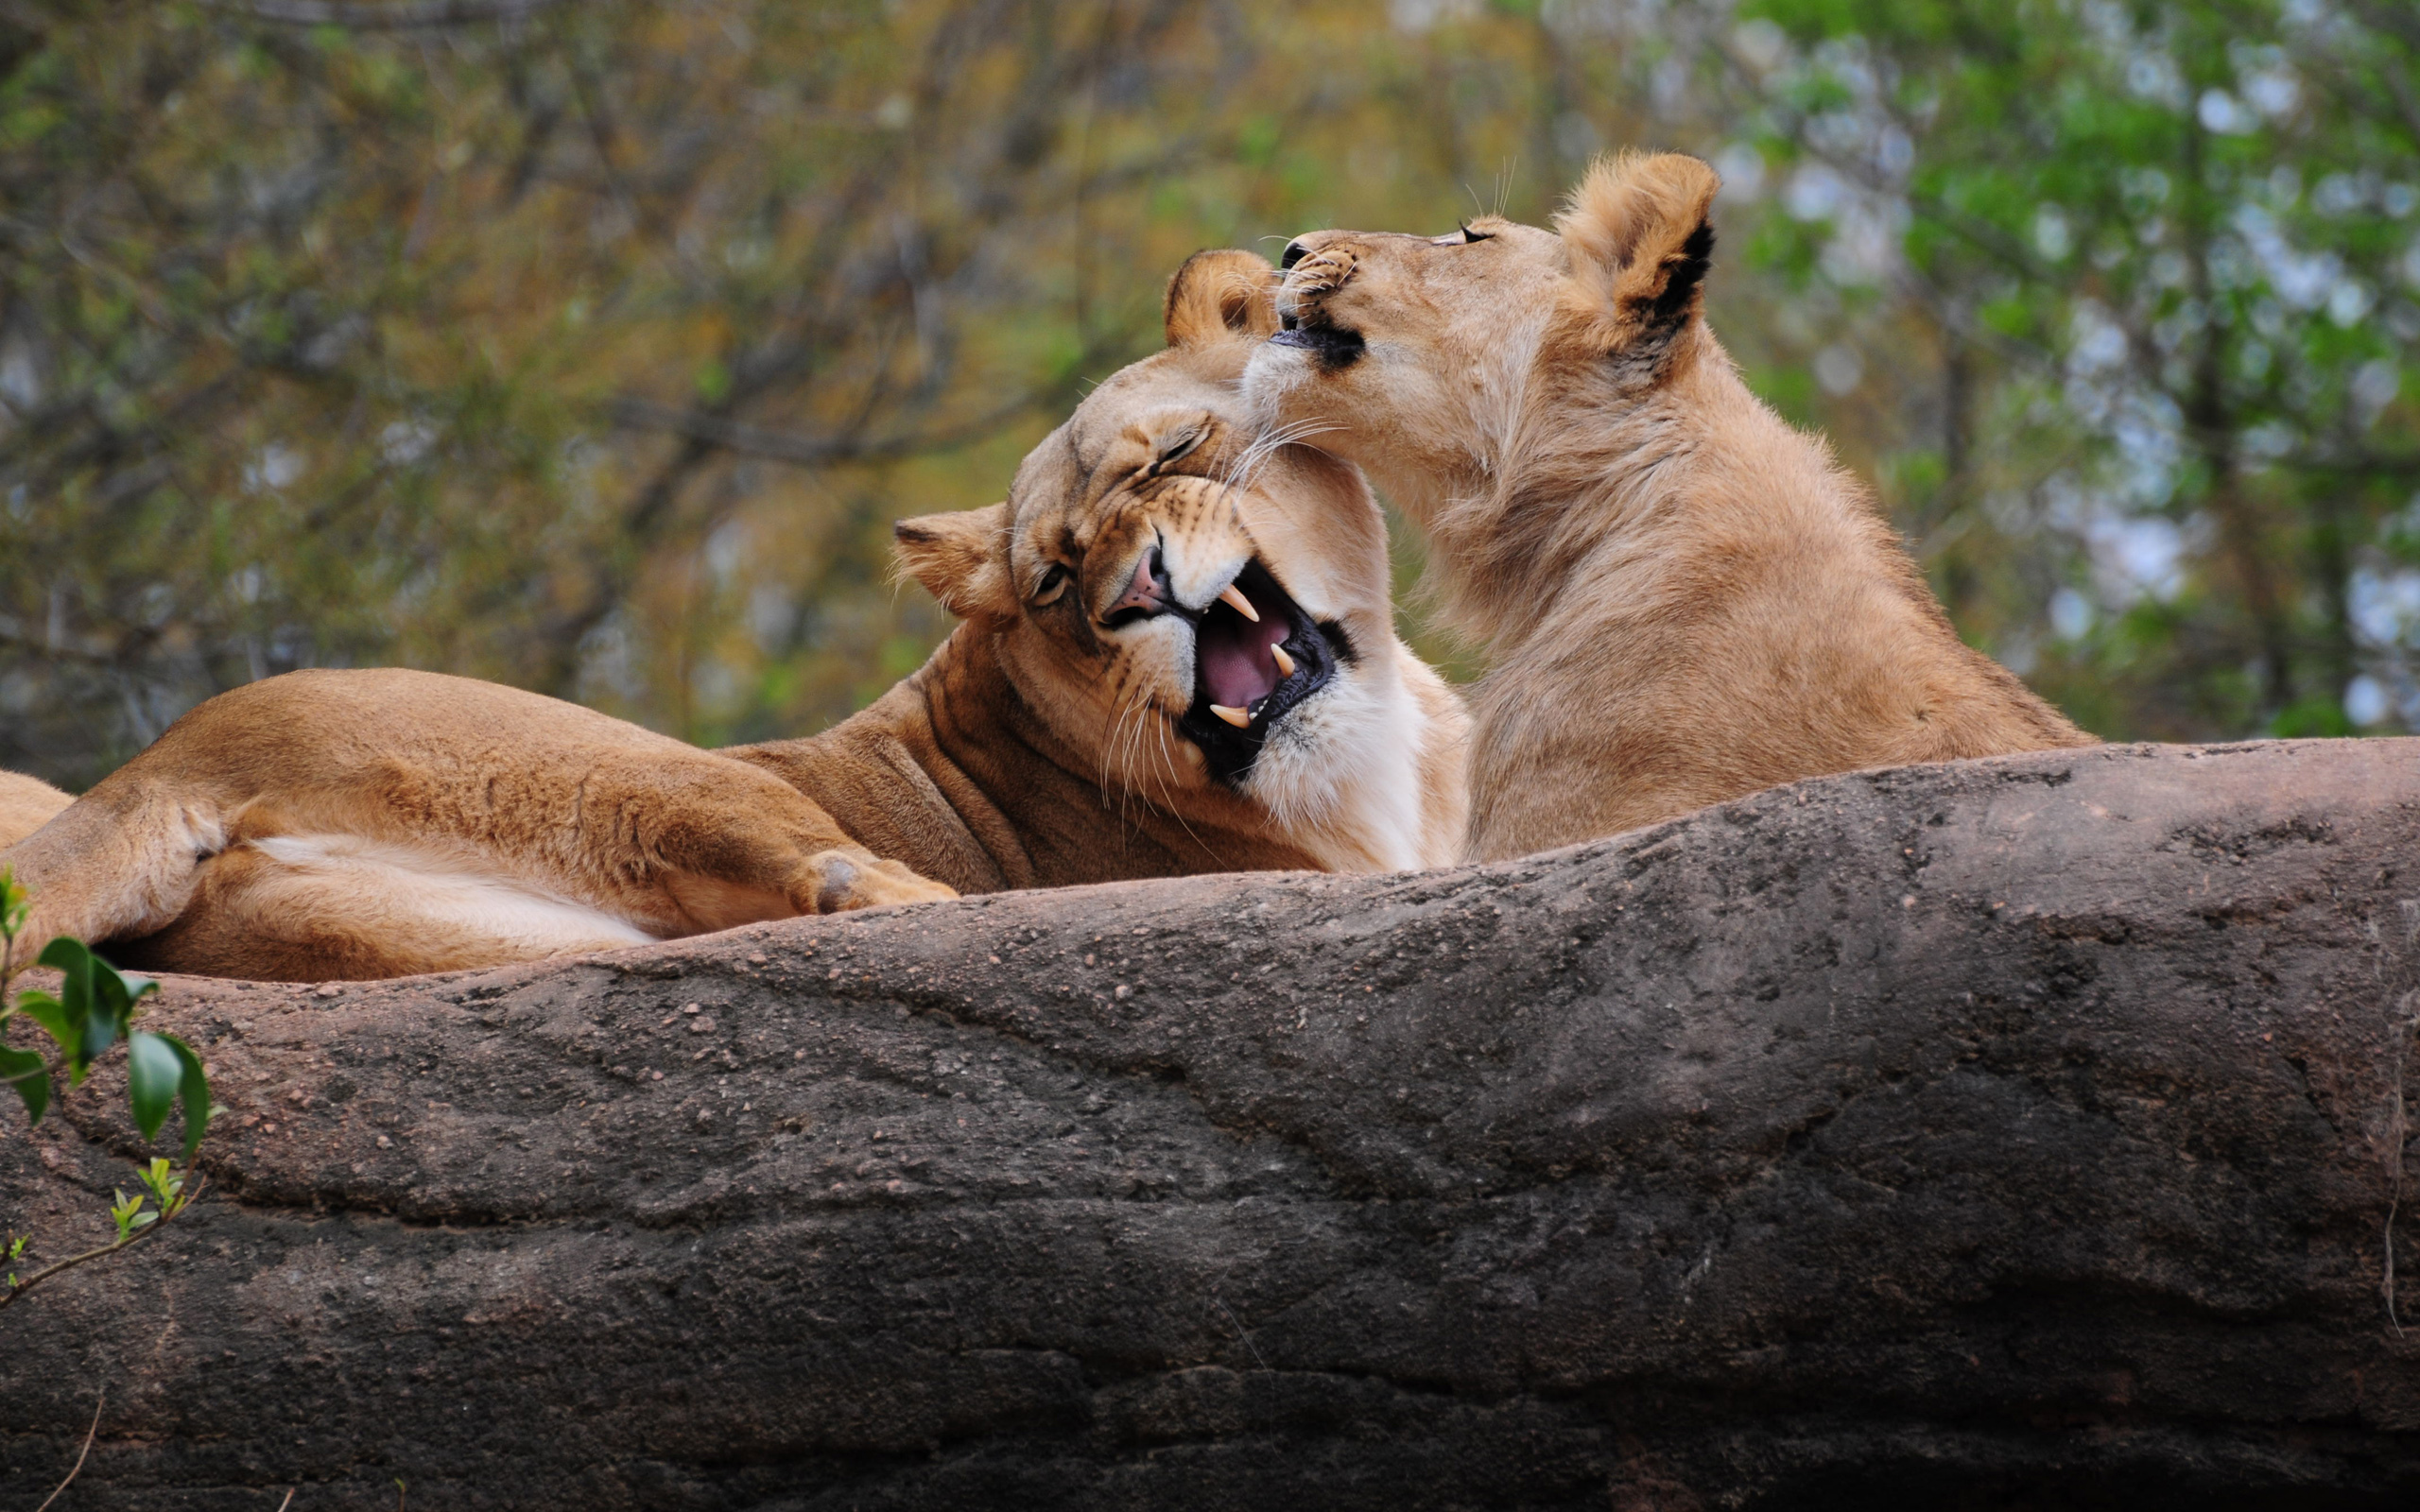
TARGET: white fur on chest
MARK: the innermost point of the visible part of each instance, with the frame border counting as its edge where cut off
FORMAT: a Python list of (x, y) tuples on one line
[(1344, 775)]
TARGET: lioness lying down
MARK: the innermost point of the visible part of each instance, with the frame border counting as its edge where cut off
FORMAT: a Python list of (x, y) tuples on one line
[(1682, 598), (1177, 656), (26, 807)]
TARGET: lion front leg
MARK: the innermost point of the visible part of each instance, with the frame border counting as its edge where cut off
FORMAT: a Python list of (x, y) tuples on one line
[(734, 844)]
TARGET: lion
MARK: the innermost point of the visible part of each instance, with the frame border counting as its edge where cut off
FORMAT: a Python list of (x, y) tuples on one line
[(26, 805), (1176, 654), (1682, 598)]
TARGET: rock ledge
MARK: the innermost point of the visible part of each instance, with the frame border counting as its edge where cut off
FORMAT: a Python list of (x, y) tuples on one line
[(2003, 1134)]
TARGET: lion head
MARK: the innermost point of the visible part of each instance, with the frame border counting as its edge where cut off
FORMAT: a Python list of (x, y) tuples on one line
[(1439, 362), (1201, 613)]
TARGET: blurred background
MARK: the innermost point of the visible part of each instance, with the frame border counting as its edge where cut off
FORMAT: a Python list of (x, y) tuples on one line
[(592, 347)]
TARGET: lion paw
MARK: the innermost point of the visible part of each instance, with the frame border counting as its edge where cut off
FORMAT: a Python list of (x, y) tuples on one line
[(1322, 273), (843, 880)]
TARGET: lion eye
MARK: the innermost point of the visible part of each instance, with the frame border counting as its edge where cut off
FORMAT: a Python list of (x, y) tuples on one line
[(1054, 582), (1178, 447), (1462, 236)]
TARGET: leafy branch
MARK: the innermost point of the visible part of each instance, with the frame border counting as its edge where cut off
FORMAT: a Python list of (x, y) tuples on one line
[(173, 1194), (93, 1009)]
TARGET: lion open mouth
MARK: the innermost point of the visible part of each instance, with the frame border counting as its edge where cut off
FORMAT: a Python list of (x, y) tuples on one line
[(1248, 673)]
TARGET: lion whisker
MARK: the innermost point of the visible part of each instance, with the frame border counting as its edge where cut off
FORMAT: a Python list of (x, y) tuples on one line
[(1244, 473)]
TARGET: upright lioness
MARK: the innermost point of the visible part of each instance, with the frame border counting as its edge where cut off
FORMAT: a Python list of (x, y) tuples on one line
[(1177, 656), (1682, 598)]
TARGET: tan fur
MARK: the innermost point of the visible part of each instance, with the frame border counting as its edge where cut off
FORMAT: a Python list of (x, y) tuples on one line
[(328, 825), (368, 823), (1682, 598), (26, 805)]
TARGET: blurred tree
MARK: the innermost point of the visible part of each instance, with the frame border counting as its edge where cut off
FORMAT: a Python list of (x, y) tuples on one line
[(2158, 259), (532, 341), (592, 347)]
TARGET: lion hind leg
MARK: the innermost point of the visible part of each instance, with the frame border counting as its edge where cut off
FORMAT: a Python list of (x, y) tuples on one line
[(116, 863), (338, 908)]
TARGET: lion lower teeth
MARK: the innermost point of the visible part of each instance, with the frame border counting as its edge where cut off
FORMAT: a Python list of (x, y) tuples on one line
[(1234, 717), (1285, 662)]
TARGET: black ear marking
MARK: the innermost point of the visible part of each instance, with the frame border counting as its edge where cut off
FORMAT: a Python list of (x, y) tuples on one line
[(1295, 253), (1658, 318), (1683, 273)]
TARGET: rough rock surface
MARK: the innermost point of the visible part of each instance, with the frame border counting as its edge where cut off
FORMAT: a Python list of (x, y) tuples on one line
[(2016, 1133)]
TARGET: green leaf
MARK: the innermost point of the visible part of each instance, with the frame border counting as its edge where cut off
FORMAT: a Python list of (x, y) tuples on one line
[(193, 1093), (95, 997), (153, 1071), (54, 1018), (30, 1075), (161, 1182), (87, 1036), (123, 1212), (14, 905)]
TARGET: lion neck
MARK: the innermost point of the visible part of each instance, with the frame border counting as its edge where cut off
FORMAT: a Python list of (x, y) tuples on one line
[(1591, 481), (955, 774)]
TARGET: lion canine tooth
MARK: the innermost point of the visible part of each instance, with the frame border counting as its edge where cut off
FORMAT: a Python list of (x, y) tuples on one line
[(1243, 606), (1285, 662), (1234, 717)]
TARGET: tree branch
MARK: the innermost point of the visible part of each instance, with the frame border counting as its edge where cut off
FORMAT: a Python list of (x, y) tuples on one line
[(405, 16), (186, 1200), (98, 1402), (632, 413)]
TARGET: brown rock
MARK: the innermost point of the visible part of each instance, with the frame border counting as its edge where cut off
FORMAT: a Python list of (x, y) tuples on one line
[(2007, 1134)]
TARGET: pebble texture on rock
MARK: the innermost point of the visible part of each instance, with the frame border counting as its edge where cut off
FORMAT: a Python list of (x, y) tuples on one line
[(2013, 1133)]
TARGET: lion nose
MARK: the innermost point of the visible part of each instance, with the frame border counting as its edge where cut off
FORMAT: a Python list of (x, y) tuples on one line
[(1146, 591)]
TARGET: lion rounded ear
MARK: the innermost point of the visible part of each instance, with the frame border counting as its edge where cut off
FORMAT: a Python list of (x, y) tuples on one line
[(1640, 243), (1221, 295), (961, 559)]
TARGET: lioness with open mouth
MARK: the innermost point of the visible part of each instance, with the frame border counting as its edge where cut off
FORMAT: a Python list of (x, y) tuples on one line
[(1682, 598), (1177, 656)]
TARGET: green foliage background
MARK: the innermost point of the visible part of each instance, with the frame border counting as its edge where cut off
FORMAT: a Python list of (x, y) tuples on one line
[(594, 347)]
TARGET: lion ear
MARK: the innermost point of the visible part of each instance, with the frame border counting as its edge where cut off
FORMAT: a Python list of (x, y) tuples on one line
[(961, 559), (1221, 295), (1640, 243)]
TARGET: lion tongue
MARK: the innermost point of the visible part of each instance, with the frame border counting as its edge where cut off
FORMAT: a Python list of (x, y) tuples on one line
[(1236, 669)]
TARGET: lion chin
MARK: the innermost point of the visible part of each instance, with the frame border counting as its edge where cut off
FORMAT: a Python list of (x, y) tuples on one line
[(1176, 655)]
